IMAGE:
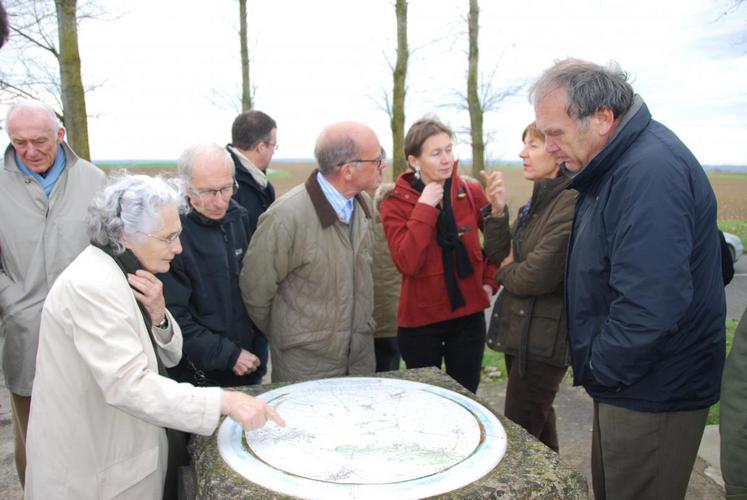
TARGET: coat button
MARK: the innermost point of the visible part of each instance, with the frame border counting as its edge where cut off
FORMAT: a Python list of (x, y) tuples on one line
[(496, 315), (521, 312)]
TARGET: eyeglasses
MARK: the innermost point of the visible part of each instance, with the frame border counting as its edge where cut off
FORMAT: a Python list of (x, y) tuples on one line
[(225, 192), (273, 145), (166, 239), (377, 162)]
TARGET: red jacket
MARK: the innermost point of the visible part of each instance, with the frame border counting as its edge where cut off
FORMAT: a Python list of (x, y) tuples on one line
[(410, 229)]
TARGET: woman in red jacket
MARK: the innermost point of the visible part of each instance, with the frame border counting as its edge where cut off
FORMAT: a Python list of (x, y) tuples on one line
[(431, 220)]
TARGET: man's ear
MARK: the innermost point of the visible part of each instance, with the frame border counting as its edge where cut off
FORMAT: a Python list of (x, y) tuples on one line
[(604, 120), (60, 135)]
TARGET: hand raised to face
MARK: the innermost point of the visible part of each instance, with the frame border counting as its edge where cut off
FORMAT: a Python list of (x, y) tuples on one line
[(432, 194), (148, 291), (496, 191)]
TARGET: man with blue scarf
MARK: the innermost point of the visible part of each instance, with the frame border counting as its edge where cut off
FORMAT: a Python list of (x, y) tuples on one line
[(45, 190)]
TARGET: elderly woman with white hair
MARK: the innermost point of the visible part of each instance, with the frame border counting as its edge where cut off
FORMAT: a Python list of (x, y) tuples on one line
[(102, 407)]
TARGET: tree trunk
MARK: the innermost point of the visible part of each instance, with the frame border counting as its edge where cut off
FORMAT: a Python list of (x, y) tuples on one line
[(71, 84), (473, 97), (246, 95), (399, 75)]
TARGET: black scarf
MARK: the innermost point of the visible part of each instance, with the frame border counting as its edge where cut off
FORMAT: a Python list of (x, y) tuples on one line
[(128, 263), (454, 255)]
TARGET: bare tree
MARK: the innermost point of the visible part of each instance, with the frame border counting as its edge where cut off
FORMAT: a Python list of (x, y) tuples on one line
[(482, 95), (393, 103), (71, 83), (399, 90), (44, 35), (246, 94), (473, 99)]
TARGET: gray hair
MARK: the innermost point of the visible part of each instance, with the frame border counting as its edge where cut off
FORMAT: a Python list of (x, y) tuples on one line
[(589, 88), (127, 208), (32, 105), (186, 162), (330, 153)]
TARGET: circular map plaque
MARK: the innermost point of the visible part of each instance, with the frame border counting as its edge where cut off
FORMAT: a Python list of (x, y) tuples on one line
[(359, 437)]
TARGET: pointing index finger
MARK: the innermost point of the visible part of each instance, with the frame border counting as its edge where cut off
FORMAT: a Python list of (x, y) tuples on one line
[(275, 416)]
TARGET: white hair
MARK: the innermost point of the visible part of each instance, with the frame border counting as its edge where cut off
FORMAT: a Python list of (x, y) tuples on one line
[(186, 162), (128, 208), (31, 105)]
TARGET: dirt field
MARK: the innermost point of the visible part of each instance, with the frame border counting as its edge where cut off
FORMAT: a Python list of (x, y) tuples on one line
[(730, 189)]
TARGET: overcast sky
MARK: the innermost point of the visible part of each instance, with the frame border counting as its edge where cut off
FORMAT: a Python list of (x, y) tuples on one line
[(169, 71)]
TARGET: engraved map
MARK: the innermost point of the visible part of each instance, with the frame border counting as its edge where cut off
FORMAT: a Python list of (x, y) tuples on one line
[(361, 437)]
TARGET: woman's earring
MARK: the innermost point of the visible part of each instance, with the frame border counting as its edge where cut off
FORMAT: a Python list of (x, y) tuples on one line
[(417, 171)]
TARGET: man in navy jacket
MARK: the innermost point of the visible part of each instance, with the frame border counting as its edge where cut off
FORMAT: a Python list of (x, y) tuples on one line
[(644, 294), (221, 344)]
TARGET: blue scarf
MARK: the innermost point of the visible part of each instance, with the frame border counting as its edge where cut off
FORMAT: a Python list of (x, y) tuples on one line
[(51, 176)]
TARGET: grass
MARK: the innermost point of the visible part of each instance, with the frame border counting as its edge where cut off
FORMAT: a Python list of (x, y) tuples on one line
[(726, 175), (738, 227), (493, 367), (275, 175)]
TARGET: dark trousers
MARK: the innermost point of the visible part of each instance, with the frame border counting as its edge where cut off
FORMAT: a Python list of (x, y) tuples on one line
[(641, 455), (386, 350), (529, 399), (459, 343)]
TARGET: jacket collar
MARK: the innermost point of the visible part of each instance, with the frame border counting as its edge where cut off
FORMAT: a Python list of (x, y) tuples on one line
[(244, 164), (10, 163), (547, 189), (325, 212), (234, 212), (631, 125)]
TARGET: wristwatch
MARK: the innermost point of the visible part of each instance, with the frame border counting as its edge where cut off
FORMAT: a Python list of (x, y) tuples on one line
[(164, 323)]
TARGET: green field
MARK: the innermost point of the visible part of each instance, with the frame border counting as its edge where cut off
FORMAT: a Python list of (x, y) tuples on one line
[(273, 175), (738, 227), (156, 165)]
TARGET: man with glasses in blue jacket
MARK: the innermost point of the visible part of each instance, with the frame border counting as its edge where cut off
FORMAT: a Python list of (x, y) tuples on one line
[(222, 347)]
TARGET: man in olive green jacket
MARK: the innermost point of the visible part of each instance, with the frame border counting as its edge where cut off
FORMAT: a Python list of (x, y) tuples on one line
[(44, 194), (733, 425), (306, 280)]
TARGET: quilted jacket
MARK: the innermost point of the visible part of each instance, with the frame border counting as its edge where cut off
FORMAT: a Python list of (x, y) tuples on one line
[(307, 283)]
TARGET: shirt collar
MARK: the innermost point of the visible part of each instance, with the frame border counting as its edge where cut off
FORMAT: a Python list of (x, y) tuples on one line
[(342, 206)]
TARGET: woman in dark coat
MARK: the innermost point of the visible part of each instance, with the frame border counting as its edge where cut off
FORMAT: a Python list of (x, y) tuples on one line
[(528, 322)]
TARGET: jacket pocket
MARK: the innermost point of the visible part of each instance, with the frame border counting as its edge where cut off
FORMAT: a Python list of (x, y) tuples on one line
[(123, 475), (297, 340), (497, 331), (545, 326), (430, 291)]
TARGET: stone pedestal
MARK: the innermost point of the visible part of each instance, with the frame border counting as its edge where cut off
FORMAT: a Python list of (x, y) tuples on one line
[(528, 470)]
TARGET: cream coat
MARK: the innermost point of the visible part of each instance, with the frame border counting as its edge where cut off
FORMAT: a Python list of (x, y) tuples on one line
[(99, 406), (39, 237)]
